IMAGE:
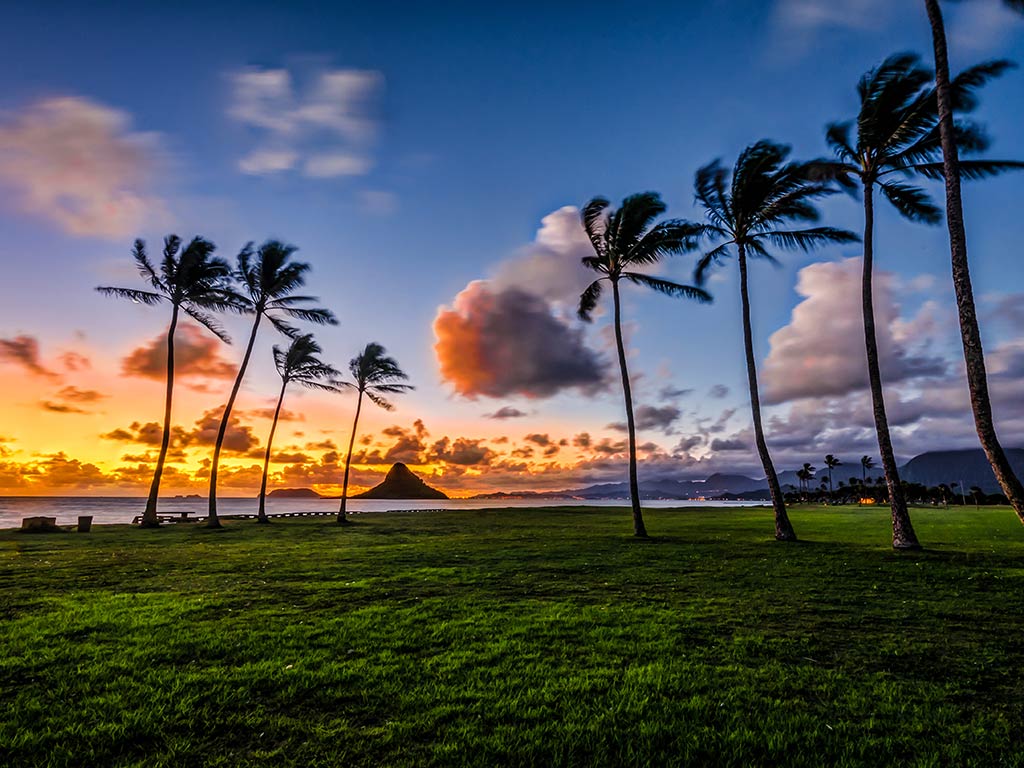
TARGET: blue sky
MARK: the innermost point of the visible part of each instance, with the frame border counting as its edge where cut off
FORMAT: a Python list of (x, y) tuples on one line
[(484, 120)]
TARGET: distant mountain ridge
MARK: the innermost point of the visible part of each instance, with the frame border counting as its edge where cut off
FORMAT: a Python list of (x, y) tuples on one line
[(969, 467)]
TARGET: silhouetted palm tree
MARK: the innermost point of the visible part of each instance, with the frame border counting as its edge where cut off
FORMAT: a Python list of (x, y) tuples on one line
[(952, 169), (268, 282), (192, 281), (299, 364), (374, 374), (866, 463), (625, 243), (809, 475), (766, 195), (831, 462), (897, 133), (976, 493)]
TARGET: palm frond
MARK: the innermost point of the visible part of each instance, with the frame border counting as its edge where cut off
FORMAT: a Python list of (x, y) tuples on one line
[(963, 88), (139, 297), (708, 260), (588, 300), (380, 401), (595, 223), (207, 322), (912, 202), (969, 169), (668, 287), (808, 239)]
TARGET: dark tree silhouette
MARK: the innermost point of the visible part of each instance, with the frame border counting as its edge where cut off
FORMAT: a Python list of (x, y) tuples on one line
[(374, 374), (298, 364), (192, 281), (949, 101), (866, 463), (767, 195), (626, 242), (898, 134), (831, 462), (268, 280)]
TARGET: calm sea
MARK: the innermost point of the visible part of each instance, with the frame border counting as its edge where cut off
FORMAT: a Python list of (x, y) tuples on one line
[(121, 510)]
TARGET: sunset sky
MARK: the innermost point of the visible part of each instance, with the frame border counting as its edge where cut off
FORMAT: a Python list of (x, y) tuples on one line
[(428, 160)]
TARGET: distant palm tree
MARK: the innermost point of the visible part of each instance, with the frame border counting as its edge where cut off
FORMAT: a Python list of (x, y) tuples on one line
[(831, 462), (866, 463), (952, 169), (976, 493), (191, 281), (268, 283), (897, 133), (767, 195), (374, 374), (625, 243), (804, 477), (809, 472), (299, 364)]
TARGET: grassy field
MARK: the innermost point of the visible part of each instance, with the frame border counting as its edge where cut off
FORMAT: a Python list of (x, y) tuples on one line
[(517, 638)]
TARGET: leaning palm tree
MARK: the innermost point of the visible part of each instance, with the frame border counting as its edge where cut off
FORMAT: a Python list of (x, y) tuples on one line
[(192, 281), (866, 463), (269, 281), (625, 243), (374, 374), (897, 134), (767, 195), (831, 462), (299, 364), (951, 100)]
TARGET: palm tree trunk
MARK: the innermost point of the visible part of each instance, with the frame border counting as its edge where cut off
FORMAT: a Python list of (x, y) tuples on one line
[(634, 486), (783, 527), (903, 536), (149, 518), (342, 515), (262, 518), (212, 521), (970, 334)]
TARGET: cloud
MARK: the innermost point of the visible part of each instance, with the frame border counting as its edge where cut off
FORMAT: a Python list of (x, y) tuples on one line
[(378, 202), (461, 451), (508, 342), (238, 438), (821, 351), (324, 130), (24, 351), (668, 392), (718, 391), (652, 417), (79, 164), (506, 412), (196, 354), (812, 15)]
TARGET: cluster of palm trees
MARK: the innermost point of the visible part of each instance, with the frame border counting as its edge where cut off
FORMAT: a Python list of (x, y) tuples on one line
[(911, 123), (263, 284)]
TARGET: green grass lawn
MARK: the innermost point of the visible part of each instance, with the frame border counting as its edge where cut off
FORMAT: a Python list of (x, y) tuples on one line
[(528, 637)]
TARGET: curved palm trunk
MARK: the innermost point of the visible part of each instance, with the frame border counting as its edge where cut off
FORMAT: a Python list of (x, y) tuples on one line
[(212, 521), (970, 334), (903, 536), (634, 485), (149, 518), (262, 515), (342, 515), (783, 527)]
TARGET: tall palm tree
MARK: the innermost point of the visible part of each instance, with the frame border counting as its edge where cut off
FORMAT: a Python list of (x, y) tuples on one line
[(831, 462), (866, 463), (767, 195), (808, 475), (952, 169), (299, 364), (897, 134), (374, 374), (192, 281), (269, 279), (625, 243)]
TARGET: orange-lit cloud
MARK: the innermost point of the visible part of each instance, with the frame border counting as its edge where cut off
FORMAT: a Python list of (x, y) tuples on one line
[(196, 353), (23, 351)]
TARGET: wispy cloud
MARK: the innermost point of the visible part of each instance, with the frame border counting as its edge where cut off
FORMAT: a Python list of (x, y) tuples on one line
[(79, 164), (324, 130)]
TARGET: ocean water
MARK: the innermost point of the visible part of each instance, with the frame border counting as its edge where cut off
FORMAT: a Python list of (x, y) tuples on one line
[(107, 510)]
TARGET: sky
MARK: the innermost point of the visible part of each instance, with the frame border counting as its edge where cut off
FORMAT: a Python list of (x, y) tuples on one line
[(429, 161)]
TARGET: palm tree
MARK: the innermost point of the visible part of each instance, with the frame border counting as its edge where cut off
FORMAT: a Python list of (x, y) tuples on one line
[(767, 194), (192, 281), (300, 365), (976, 493), (831, 462), (897, 133), (374, 374), (809, 475), (951, 169), (866, 463), (625, 243), (268, 283)]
